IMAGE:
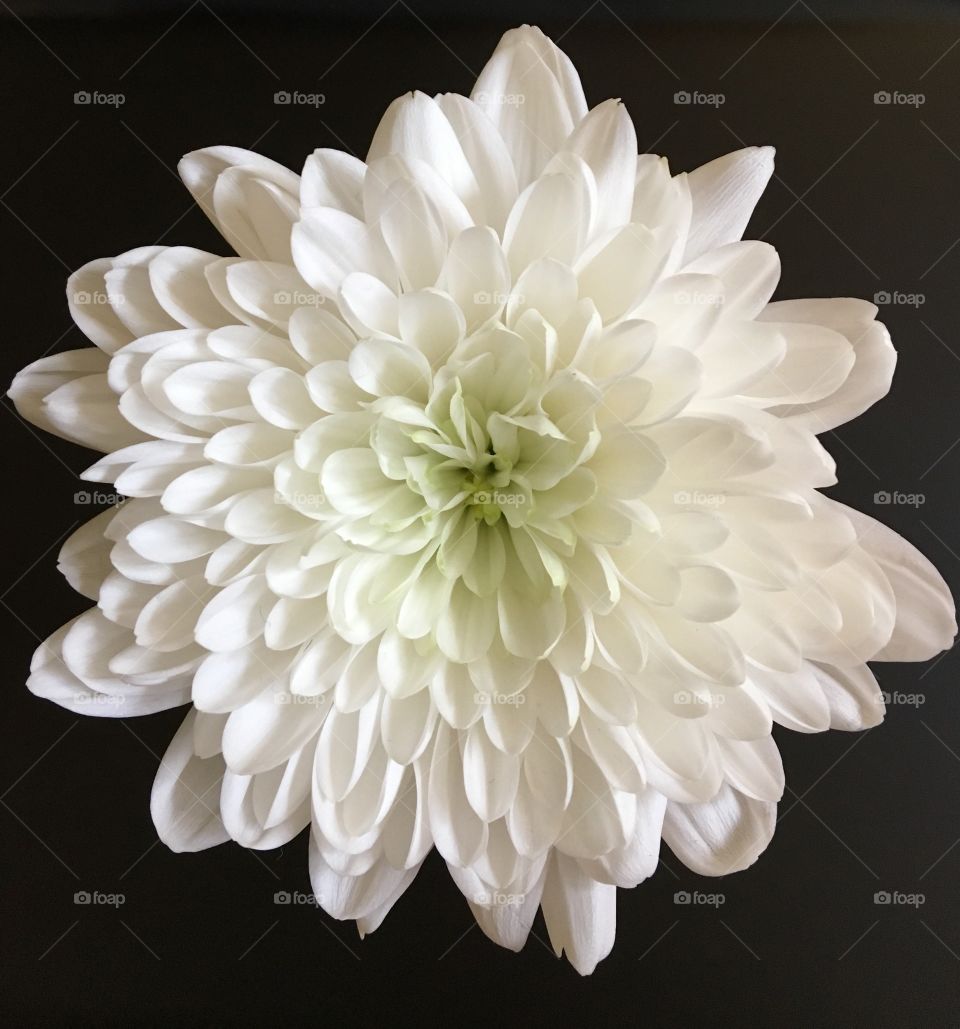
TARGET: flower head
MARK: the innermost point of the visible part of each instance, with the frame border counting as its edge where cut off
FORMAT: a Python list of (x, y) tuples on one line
[(475, 504)]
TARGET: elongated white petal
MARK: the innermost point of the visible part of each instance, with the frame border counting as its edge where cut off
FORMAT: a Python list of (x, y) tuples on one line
[(723, 835), (185, 800), (248, 197), (926, 616), (532, 94), (581, 914), (724, 193)]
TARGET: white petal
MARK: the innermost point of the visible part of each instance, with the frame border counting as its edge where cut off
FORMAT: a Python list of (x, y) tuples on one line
[(581, 914), (247, 801), (753, 767), (331, 178), (623, 272), (185, 800), (318, 335), (606, 140), (723, 835), (235, 617), (356, 896), (415, 234), (530, 90), (490, 777), (60, 394), (875, 358), (90, 304), (241, 171), (178, 281), (280, 396), (855, 699), (458, 832), (640, 858), (51, 679), (387, 369), (749, 272), (328, 245), (926, 617), (368, 306), (724, 193), (488, 156), (84, 559), (430, 321), (267, 730), (549, 219), (415, 128), (476, 275)]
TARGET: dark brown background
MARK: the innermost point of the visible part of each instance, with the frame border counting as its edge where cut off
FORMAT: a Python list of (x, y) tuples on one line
[(864, 201)]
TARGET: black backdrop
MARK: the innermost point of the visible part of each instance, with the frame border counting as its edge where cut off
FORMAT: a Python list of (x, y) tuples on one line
[(863, 203)]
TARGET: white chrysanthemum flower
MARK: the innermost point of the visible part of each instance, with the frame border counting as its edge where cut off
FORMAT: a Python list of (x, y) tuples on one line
[(475, 505)]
